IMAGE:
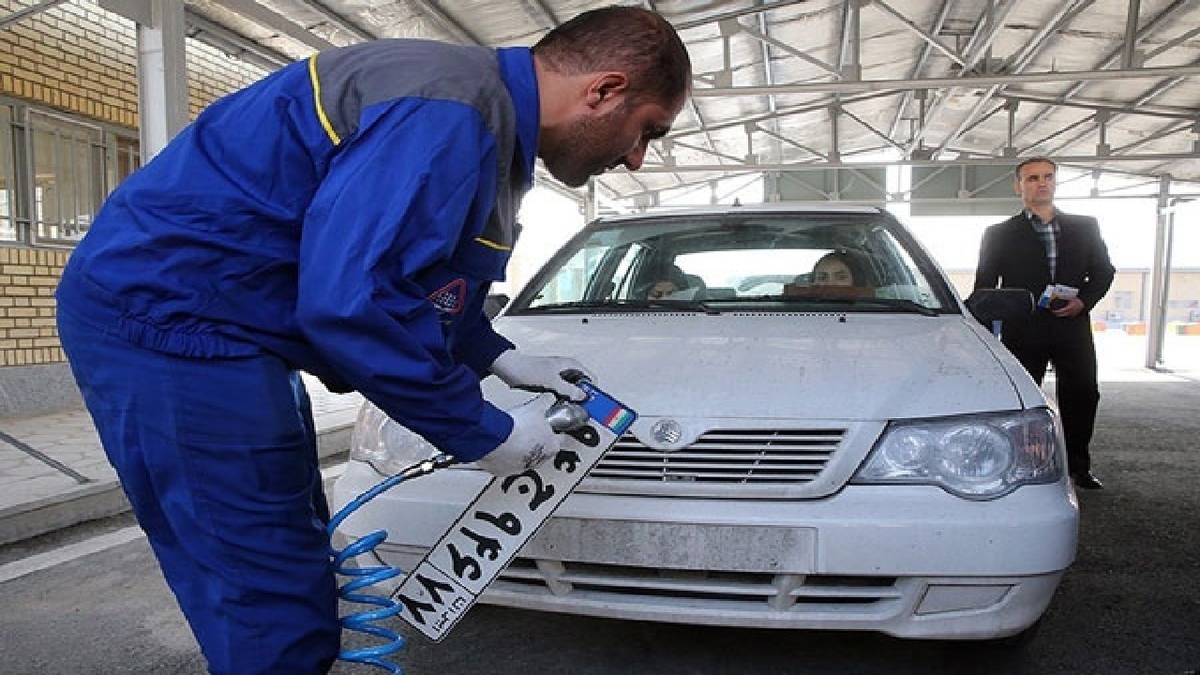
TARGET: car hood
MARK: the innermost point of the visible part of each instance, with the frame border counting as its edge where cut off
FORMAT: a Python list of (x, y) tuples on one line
[(806, 366)]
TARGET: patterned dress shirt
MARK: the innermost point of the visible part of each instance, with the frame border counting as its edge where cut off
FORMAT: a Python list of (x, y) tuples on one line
[(1048, 231)]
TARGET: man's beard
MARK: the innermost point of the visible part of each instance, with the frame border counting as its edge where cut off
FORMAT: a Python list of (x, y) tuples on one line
[(582, 152)]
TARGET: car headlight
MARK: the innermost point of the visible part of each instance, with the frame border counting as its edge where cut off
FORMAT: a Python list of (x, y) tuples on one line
[(387, 446), (972, 456)]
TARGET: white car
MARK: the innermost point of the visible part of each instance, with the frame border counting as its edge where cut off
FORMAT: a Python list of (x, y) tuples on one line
[(806, 456)]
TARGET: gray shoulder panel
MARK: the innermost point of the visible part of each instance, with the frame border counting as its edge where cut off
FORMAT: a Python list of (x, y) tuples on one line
[(352, 79), (357, 77)]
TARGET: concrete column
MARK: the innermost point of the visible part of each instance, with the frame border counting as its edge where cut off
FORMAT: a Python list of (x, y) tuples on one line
[(1158, 277), (162, 69), (589, 203)]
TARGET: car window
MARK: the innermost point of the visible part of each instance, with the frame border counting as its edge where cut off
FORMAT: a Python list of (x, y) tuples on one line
[(765, 262)]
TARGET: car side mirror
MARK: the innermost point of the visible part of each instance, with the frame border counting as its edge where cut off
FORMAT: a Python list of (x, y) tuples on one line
[(992, 305), (494, 303)]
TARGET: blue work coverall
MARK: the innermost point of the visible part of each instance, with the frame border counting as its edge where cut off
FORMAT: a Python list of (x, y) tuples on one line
[(344, 216)]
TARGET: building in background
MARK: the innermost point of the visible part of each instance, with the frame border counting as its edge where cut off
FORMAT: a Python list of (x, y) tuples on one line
[(68, 135), (1126, 307)]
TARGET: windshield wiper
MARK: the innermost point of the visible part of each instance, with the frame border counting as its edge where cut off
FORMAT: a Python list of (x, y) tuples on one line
[(615, 305), (901, 304)]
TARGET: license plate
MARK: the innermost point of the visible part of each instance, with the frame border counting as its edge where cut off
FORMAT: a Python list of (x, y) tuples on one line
[(734, 548), (501, 519)]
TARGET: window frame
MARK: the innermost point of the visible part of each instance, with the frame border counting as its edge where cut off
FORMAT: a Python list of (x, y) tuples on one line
[(112, 153)]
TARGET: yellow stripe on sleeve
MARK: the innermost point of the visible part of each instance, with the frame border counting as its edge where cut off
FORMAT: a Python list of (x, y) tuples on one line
[(492, 244), (316, 84)]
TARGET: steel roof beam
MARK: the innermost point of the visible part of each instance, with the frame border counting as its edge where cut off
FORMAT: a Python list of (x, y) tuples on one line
[(977, 48), (1025, 56), (1152, 24), (1142, 109), (28, 11), (795, 144), (922, 58), (991, 21), (716, 18), (974, 81), (1129, 48), (850, 44), (1003, 105), (931, 40), (666, 158), (1157, 90), (1172, 43), (820, 104), (738, 161), (1087, 160), (277, 22), (1165, 132), (1178, 190), (873, 130), (769, 78), (454, 29), (233, 44), (783, 46), (1067, 129), (337, 20)]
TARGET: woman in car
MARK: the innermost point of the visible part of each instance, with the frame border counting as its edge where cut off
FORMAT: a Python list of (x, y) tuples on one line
[(837, 268), (670, 283)]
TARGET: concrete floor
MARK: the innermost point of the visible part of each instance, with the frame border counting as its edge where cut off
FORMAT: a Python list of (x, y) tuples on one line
[(1130, 605)]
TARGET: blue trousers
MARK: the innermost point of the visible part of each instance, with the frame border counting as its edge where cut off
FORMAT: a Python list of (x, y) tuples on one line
[(218, 459)]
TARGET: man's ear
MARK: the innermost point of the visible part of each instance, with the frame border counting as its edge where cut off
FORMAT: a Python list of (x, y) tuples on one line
[(606, 88)]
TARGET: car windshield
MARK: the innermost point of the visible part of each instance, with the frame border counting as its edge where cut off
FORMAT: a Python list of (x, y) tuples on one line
[(741, 262)]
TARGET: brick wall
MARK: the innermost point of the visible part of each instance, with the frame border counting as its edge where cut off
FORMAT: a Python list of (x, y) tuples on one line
[(82, 60), (27, 280)]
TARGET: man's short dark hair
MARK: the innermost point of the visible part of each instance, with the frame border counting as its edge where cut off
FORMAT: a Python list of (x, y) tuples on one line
[(1034, 160), (636, 41)]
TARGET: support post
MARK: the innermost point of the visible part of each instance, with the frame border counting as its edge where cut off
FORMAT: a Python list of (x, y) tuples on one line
[(1158, 277), (589, 202), (161, 67)]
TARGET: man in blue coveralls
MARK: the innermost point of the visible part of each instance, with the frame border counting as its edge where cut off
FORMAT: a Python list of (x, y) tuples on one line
[(344, 216)]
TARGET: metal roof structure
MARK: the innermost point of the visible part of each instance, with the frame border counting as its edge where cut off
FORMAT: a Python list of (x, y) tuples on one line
[(818, 98), (790, 85)]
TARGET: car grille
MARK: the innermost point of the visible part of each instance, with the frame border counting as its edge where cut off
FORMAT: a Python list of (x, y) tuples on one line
[(755, 457), (750, 593)]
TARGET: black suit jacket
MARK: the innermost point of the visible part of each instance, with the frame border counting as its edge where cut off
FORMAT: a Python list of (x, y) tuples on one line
[(1012, 255)]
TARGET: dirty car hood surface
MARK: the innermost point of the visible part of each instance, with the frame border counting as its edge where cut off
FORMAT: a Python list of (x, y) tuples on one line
[(808, 366)]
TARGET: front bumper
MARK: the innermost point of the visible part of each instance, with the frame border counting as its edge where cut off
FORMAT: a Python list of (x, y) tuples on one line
[(910, 561)]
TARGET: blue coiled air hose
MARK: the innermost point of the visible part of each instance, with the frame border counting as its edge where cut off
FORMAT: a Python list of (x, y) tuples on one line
[(367, 621), (562, 416)]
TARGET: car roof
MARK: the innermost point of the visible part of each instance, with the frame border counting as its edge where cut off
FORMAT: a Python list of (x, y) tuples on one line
[(770, 208)]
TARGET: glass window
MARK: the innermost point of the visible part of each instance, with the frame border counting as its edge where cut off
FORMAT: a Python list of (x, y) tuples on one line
[(577, 278), (8, 174), (68, 177), (129, 158), (774, 261), (55, 173)]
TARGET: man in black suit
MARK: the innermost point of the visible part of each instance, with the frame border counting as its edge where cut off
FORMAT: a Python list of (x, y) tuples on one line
[(1038, 249)]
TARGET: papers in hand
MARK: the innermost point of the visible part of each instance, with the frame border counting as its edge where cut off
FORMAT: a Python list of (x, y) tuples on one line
[(1056, 295)]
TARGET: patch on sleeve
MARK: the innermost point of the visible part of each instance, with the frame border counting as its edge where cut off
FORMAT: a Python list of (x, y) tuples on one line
[(449, 299)]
